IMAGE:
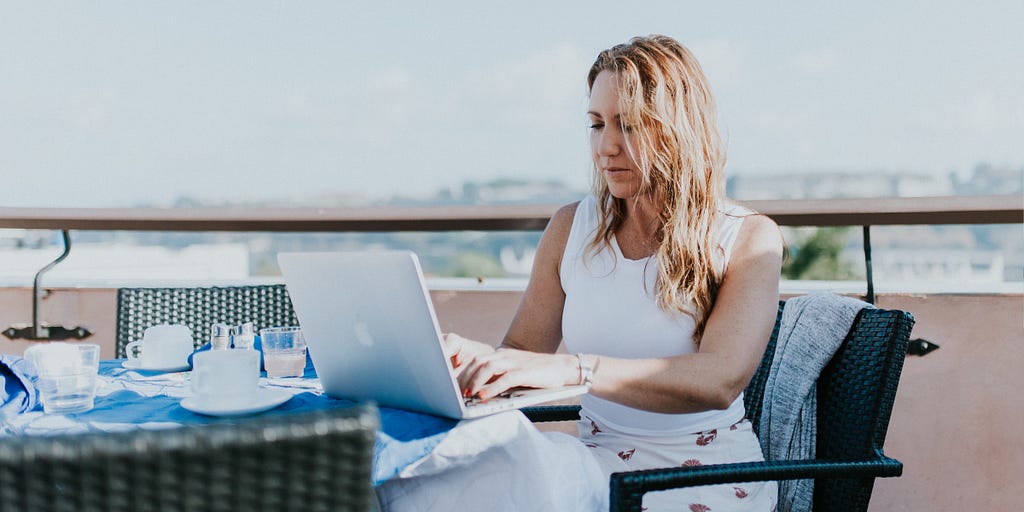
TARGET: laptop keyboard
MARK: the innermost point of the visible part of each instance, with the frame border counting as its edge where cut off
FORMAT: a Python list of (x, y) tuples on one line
[(474, 400)]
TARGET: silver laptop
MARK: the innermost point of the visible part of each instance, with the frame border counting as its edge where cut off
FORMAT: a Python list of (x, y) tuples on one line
[(372, 334)]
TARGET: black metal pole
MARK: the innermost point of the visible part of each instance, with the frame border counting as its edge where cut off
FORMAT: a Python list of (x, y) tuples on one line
[(867, 265), (38, 331)]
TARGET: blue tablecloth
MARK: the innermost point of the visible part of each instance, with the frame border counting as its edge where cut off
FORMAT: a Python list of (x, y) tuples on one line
[(128, 399)]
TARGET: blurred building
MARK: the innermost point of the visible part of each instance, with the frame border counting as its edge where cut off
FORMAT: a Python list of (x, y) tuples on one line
[(808, 185), (93, 263), (984, 179)]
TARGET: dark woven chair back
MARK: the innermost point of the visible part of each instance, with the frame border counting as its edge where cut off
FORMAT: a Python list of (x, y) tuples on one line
[(317, 461), (855, 397), (199, 308)]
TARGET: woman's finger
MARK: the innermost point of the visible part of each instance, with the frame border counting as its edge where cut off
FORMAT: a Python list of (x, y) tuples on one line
[(482, 371), (497, 386)]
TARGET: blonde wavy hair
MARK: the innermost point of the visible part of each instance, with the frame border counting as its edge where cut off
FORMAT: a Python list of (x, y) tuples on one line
[(666, 99)]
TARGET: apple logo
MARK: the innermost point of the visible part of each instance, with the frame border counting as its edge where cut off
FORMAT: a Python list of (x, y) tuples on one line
[(363, 335)]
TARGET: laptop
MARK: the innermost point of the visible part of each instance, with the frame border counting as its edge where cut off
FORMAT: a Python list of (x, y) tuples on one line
[(372, 334)]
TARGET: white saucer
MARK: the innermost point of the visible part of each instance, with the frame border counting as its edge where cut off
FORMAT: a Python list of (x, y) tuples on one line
[(266, 398), (136, 364)]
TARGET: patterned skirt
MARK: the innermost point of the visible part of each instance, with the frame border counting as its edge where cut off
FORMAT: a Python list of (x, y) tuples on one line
[(616, 451), (503, 463)]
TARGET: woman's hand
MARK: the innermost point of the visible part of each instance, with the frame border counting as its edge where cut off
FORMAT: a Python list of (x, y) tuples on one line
[(461, 350), (488, 375)]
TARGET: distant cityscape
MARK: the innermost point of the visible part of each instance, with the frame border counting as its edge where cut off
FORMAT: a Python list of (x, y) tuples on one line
[(957, 254), (984, 179)]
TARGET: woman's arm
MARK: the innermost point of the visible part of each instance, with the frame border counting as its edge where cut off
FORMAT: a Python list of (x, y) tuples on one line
[(536, 328), (734, 340), (537, 324)]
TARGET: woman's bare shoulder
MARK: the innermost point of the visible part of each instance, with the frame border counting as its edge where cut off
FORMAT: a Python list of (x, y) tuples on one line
[(562, 219), (759, 234), (556, 234)]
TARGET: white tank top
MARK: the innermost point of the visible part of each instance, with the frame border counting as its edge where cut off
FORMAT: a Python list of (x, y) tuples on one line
[(611, 310)]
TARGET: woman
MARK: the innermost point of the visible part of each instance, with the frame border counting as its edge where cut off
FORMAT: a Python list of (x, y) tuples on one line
[(665, 293)]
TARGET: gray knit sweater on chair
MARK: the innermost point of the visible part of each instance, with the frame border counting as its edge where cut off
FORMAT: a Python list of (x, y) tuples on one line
[(811, 330)]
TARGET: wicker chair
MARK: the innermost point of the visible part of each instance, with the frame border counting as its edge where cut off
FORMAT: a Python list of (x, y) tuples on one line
[(855, 396), (199, 308), (319, 461)]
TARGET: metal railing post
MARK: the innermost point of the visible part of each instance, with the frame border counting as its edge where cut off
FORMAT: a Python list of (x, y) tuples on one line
[(37, 331), (870, 298)]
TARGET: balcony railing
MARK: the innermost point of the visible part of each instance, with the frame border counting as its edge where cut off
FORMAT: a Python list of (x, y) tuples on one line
[(802, 212)]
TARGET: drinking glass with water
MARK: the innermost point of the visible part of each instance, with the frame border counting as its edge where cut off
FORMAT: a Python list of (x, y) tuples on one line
[(284, 351), (67, 375)]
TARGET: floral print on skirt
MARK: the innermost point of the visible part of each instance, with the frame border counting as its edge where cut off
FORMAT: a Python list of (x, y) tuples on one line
[(616, 451)]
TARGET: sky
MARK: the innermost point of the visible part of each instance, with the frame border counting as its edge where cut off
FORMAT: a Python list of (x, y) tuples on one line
[(122, 103)]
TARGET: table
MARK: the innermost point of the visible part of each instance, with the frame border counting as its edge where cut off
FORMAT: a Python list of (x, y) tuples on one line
[(130, 399)]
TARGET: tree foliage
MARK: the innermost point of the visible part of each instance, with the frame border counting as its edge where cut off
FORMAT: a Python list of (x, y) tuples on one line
[(819, 257)]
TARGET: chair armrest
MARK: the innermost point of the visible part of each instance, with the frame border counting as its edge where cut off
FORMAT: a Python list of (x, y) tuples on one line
[(545, 413), (628, 488)]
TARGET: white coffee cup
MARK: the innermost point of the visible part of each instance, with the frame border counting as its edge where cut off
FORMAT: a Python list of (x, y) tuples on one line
[(225, 378), (162, 346)]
